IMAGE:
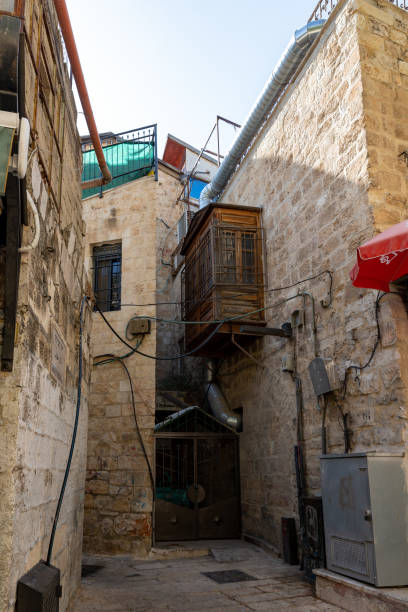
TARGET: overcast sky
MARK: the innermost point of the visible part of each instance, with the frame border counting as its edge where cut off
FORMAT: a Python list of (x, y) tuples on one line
[(179, 63)]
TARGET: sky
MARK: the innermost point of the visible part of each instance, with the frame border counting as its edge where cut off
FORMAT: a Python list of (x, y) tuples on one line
[(180, 63)]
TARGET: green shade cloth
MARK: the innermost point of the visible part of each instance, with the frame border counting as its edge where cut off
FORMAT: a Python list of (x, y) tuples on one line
[(126, 161), (6, 139), (175, 496)]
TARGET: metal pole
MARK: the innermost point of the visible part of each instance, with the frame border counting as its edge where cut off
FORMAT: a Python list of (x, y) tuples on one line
[(218, 141), (156, 161)]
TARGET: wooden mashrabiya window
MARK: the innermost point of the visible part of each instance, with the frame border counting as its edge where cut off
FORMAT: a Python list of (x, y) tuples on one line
[(223, 275)]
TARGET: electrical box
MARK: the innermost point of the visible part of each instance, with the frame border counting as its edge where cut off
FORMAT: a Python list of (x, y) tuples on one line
[(138, 326), (323, 375), (39, 589), (365, 509), (288, 363)]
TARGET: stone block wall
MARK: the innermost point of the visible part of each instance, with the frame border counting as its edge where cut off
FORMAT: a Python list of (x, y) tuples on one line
[(325, 171), (38, 398), (118, 517), (184, 375)]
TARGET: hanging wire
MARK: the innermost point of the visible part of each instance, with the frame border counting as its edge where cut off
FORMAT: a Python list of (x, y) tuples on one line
[(376, 343), (197, 348), (74, 435), (120, 360), (274, 289)]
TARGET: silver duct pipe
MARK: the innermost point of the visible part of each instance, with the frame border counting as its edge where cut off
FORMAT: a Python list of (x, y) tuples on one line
[(218, 403), (279, 79)]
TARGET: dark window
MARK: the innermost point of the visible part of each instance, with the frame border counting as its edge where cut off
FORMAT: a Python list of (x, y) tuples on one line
[(107, 276)]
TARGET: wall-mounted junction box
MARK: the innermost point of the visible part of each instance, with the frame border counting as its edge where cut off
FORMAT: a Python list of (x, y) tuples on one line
[(288, 363), (365, 501), (323, 375), (138, 326)]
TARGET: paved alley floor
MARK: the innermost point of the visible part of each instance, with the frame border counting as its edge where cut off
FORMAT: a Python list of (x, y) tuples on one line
[(123, 584)]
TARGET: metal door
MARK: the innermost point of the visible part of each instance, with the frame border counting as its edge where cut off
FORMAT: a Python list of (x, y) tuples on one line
[(218, 509), (197, 487)]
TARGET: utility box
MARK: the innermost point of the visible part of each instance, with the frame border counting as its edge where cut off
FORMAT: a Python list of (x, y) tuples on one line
[(39, 590), (323, 375), (365, 509)]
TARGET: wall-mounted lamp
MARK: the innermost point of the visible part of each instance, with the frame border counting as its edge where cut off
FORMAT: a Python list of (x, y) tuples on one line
[(10, 125)]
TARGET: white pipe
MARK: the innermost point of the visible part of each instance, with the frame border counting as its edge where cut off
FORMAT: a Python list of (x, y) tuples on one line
[(279, 79), (218, 403), (35, 241), (23, 142)]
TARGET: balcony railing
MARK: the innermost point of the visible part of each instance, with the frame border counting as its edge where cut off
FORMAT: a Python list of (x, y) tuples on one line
[(129, 155), (325, 7)]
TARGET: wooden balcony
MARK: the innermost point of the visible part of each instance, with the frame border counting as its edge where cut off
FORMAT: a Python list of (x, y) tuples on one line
[(223, 275)]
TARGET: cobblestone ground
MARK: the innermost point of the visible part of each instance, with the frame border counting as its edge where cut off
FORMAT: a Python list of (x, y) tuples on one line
[(123, 584)]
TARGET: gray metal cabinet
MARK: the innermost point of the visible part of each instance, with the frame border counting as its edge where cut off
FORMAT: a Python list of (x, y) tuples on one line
[(365, 510)]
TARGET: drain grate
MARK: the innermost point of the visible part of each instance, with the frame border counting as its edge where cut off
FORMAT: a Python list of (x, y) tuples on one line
[(88, 570), (225, 576)]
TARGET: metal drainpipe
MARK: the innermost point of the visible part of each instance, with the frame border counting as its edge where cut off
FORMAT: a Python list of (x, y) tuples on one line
[(218, 403), (279, 79), (66, 29)]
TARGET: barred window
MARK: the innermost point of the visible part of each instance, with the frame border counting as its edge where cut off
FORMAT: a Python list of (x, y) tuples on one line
[(107, 261)]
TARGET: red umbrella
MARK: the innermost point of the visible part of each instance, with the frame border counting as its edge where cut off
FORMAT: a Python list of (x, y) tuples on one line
[(383, 259)]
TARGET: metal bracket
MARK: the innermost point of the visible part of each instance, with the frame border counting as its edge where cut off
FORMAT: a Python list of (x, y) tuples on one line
[(241, 348)]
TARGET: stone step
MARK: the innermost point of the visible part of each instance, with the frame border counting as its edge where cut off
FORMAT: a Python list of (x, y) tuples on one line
[(353, 595)]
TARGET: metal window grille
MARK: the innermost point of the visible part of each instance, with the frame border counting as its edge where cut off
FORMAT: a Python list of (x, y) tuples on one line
[(325, 7), (107, 261)]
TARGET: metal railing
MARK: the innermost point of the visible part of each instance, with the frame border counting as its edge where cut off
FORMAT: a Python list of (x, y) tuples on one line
[(129, 155), (324, 8)]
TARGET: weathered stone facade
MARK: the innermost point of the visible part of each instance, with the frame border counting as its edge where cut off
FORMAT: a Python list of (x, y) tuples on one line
[(326, 172), (141, 215), (38, 398)]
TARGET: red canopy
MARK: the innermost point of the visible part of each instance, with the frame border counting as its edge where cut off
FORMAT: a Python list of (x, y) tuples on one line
[(383, 259)]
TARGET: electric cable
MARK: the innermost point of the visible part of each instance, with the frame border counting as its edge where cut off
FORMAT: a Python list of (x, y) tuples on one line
[(376, 343), (153, 356), (132, 395), (74, 435), (274, 289), (197, 348)]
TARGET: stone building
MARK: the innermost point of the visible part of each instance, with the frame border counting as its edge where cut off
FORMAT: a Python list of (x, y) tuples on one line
[(42, 287), (132, 232), (326, 171)]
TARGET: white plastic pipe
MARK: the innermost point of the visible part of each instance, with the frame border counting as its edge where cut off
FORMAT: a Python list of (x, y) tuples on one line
[(279, 79), (23, 143), (34, 243)]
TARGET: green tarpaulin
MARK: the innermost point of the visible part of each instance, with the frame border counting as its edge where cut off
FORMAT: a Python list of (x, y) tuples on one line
[(127, 161)]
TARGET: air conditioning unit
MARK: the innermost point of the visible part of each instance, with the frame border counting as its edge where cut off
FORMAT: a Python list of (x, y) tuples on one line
[(184, 224)]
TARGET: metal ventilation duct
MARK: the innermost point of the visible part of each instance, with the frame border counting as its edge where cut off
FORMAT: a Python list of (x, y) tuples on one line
[(279, 79)]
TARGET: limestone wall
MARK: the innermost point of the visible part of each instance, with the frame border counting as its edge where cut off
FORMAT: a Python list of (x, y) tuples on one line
[(38, 398), (119, 496), (325, 172)]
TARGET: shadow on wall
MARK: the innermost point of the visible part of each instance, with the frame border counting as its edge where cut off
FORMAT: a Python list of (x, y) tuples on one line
[(313, 221)]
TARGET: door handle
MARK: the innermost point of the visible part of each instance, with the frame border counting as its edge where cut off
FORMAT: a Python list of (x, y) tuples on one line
[(368, 515)]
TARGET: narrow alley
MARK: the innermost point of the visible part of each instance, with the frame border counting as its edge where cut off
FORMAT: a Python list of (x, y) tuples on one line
[(244, 578)]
